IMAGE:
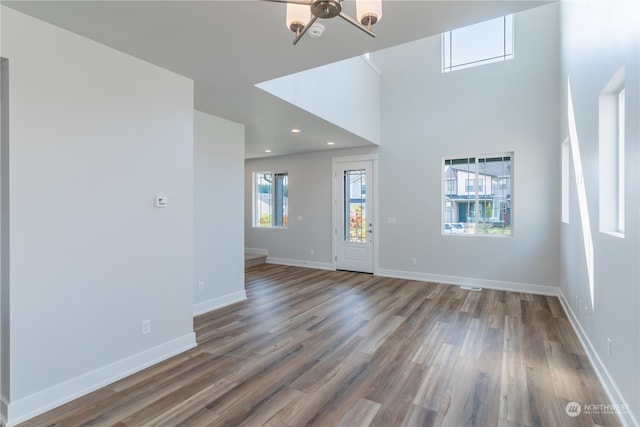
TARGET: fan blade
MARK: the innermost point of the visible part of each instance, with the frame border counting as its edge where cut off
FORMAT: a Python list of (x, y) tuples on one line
[(304, 30), (356, 24), (302, 2)]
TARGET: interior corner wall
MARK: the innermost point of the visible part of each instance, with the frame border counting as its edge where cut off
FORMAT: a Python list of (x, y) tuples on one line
[(95, 135), (354, 81), (597, 39), (219, 226), (509, 106)]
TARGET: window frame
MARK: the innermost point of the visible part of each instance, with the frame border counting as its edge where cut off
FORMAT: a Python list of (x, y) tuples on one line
[(448, 46), (502, 201), (278, 203), (612, 156)]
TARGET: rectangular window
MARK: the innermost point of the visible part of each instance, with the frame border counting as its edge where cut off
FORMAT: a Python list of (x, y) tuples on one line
[(566, 158), (470, 186), (611, 154), (450, 185), (271, 199), (478, 44), (621, 159), (483, 205)]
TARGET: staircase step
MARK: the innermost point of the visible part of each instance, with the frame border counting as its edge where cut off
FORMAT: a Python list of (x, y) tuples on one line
[(251, 260)]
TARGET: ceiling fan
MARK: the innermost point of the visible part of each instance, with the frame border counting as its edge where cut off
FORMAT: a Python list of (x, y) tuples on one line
[(302, 14)]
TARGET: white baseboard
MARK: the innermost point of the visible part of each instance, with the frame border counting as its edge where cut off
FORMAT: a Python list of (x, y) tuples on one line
[(219, 302), (45, 400), (610, 387), (301, 263), (471, 281), (256, 251)]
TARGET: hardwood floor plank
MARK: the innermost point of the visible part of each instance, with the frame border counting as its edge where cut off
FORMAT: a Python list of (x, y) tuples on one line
[(338, 348), (514, 402), (360, 415), (168, 413)]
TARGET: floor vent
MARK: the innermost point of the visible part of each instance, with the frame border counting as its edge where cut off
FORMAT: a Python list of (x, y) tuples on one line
[(471, 288)]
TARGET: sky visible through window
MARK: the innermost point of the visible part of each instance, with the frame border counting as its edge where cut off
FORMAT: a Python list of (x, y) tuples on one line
[(482, 43)]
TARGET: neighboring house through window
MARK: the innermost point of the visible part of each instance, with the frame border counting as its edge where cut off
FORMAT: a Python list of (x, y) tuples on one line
[(482, 195)]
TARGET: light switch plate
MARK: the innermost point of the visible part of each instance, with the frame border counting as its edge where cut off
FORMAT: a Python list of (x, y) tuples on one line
[(161, 201)]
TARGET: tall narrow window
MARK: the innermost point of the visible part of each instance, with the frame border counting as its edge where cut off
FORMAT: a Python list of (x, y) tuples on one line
[(566, 164), (478, 44), (621, 160), (271, 199), (478, 195), (355, 202), (612, 157)]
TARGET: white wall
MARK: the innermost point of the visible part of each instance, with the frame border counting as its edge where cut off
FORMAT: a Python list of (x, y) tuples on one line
[(509, 106), (597, 39), (352, 81), (95, 135), (4, 233), (219, 226), (309, 198)]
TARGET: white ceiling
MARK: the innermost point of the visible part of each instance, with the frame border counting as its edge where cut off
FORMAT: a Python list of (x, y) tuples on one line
[(228, 46)]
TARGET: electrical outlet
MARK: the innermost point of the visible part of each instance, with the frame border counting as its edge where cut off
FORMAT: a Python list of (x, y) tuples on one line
[(145, 327), (414, 261), (201, 286), (609, 346)]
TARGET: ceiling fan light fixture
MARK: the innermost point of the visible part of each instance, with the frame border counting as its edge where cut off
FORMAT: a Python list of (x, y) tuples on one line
[(302, 15), (298, 16), (368, 12), (326, 9)]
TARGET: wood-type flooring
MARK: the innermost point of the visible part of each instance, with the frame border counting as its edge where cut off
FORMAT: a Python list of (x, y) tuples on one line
[(325, 348)]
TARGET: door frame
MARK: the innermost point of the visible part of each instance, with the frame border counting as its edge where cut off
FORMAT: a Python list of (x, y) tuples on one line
[(336, 213)]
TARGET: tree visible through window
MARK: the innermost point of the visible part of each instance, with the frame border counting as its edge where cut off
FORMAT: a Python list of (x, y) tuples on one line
[(482, 43), (482, 195), (271, 199)]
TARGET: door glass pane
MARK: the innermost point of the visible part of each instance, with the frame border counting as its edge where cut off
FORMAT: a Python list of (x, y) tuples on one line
[(355, 202)]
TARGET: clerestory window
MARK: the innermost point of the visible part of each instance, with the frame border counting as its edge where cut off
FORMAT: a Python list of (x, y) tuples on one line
[(478, 44)]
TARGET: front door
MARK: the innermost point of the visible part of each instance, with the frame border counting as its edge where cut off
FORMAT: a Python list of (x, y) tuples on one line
[(354, 216)]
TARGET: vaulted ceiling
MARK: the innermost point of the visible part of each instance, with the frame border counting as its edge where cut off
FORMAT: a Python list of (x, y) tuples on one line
[(227, 47)]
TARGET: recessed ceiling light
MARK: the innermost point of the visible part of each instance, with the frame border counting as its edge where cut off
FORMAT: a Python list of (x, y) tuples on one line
[(295, 130), (331, 143), (267, 151)]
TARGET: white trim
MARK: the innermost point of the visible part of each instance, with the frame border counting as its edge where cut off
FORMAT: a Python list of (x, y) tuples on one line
[(302, 263), (45, 400), (609, 386), (335, 161), (218, 302), (471, 281), (256, 251)]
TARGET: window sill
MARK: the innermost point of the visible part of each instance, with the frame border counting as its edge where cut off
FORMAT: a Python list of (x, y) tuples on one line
[(269, 228), (617, 234)]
